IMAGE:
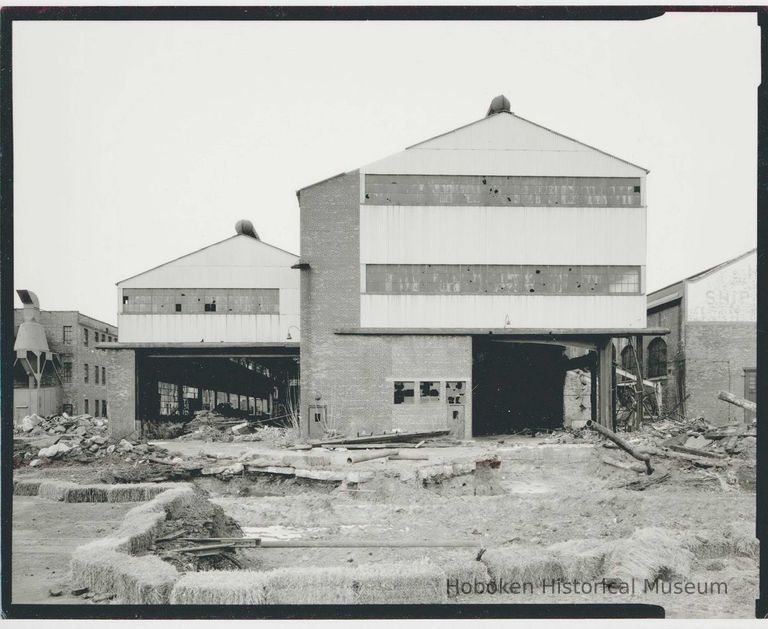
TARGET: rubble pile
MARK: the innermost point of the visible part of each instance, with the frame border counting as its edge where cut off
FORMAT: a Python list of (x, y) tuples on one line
[(697, 436), (212, 426), (79, 438)]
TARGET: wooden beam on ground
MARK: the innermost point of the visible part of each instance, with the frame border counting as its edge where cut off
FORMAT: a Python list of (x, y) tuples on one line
[(392, 436)]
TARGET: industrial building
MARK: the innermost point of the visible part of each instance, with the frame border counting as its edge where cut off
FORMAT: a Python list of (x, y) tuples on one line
[(452, 285), (57, 366), (712, 345), (219, 326)]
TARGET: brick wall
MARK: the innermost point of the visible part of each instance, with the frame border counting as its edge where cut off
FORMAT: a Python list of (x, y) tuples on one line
[(713, 351), (348, 374), (121, 388)]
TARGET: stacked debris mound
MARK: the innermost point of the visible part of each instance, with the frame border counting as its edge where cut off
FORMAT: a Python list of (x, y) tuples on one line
[(34, 425), (214, 426), (699, 437), (200, 537), (217, 426)]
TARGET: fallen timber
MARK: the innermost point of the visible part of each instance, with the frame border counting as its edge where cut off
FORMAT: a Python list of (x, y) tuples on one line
[(737, 401), (622, 444), (385, 438)]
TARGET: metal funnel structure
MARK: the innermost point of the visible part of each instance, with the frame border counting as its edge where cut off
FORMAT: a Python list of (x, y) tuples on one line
[(32, 350)]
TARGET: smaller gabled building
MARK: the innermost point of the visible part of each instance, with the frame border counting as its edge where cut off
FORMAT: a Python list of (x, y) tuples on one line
[(712, 345), (218, 326)]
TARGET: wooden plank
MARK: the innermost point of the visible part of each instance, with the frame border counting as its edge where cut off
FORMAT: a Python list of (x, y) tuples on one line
[(605, 377), (697, 452), (386, 438)]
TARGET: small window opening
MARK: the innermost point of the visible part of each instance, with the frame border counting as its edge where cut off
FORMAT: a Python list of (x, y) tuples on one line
[(429, 391), (404, 392)]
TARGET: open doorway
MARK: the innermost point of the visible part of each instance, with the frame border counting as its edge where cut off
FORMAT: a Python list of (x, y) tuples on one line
[(517, 386)]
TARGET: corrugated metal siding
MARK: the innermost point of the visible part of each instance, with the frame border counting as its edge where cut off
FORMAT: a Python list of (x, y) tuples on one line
[(503, 191), (240, 262), (207, 327), (486, 311), (497, 235)]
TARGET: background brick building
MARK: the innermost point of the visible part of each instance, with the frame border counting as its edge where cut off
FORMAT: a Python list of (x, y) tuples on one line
[(712, 345), (84, 373)]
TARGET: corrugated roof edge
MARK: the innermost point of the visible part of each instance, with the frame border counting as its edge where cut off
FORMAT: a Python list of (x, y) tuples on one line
[(317, 183), (701, 274), (191, 253), (78, 313), (562, 135)]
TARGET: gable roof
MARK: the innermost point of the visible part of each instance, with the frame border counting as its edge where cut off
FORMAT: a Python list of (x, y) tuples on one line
[(207, 248), (504, 144)]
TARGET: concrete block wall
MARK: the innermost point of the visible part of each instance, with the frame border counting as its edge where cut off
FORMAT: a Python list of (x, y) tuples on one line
[(121, 388), (717, 352), (576, 398), (354, 379)]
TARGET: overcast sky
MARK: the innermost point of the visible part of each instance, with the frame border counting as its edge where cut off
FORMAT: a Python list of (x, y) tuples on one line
[(138, 142)]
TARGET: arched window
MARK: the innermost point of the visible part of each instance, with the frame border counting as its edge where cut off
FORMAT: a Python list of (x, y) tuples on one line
[(657, 358), (628, 359)]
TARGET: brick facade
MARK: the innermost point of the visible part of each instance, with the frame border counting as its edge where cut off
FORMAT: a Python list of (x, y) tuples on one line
[(352, 376), (716, 355), (76, 352)]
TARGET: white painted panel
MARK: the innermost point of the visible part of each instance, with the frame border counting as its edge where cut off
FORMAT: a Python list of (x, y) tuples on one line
[(210, 328), (504, 144), (501, 235), (727, 294), (491, 311), (488, 162), (218, 277)]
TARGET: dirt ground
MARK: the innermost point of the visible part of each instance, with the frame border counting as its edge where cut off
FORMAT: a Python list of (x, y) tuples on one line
[(543, 502), (44, 535), (544, 494)]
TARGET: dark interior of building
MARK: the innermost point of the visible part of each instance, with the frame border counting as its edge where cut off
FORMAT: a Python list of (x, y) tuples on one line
[(174, 386), (516, 386)]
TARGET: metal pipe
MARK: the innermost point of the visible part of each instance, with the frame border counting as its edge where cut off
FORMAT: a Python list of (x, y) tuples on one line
[(369, 456), (364, 544), (622, 444)]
